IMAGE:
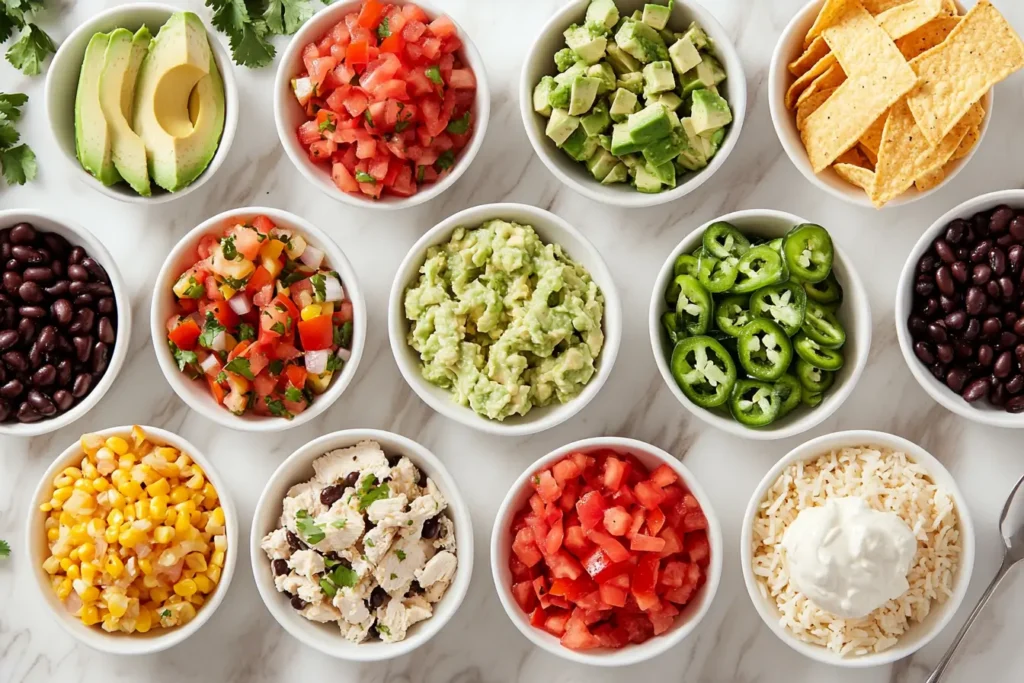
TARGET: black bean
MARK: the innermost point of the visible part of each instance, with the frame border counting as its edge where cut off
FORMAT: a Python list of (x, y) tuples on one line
[(956, 230), (30, 292), (1000, 220), (100, 358), (47, 339), (1015, 384), (956, 378), (944, 352), (944, 280), (78, 273), (944, 251), (84, 300), (280, 567), (38, 274), (34, 312), (61, 310), (59, 289), (8, 338), (44, 376), (27, 413), (925, 286), (938, 370), (95, 270), (77, 287), (13, 264), (981, 273), (976, 389), (15, 360), (1009, 319), (40, 402), (63, 399), (955, 320), (23, 254), (105, 305), (331, 494), (105, 331), (377, 597), (1007, 340), (83, 322), (82, 385), (1015, 404), (980, 251), (917, 326), (997, 394), (99, 289), (937, 333), (1006, 287), (57, 244), (432, 526), (12, 281), (948, 304), (64, 371), (1015, 255), (76, 255), (972, 330), (926, 264), (23, 233), (12, 389), (959, 271), (993, 289), (27, 330), (297, 602), (351, 479), (58, 269), (996, 259), (931, 306), (83, 348)]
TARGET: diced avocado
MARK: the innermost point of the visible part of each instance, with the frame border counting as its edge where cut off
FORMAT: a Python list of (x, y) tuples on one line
[(632, 160), (618, 174), (579, 146), (604, 141), (697, 36), (642, 42), (637, 15), (633, 81), (684, 55), (710, 71), (709, 111), (621, 61), (603, 12), (565, 58), (656, 16), (669, 100), (649, 124), (604, 73), (689, 81), (665, 172), (691, 160), (570, 74), (692, 156), (558, 98), (712, 140), (542, 95), (646, 181), (664, 150), (658, 77), (584, 92), (673, 119), (622, 142), (623, 104), (601, 163), (667, 36), (561, 126), (597, 121), (588, 45)]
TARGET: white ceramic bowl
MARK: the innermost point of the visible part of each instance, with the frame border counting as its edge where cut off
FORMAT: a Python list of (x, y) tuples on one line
[(326, 638), (95, 637), (918, 635), (791, 46), (540, 62), (62, 85), (854, 314), (501, 549), (195, 393), (78, 236), (981, 411), (288, 115), (551, 229)]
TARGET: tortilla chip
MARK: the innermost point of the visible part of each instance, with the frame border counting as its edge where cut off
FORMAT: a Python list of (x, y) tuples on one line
[(879, 6), (906, 155), (800, 84), (856, 175), (871, 155), (832, 78), (949, 8), (968, 143), (853, 157), (808, 106), (908, 17), (817, 49), (827, 16), (862, 47), (930, 179), (872, 138), (981, 51), (926, 37)]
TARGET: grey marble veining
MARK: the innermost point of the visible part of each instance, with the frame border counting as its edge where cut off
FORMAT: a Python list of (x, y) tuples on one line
[(243, 644)]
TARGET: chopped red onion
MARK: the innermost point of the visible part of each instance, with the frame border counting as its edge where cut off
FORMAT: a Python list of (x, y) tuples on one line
[(316, 361)]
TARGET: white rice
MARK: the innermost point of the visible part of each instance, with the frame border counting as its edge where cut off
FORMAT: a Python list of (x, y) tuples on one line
[(889, 481)]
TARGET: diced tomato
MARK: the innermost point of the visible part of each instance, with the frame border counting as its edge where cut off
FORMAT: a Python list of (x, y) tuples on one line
[(649, 495), (636, 523), (442, 27), (591, 509), (414, 30), (614, 473), (576, 541), (577, 636), (663, 618), (309, 53), (564, 565), (645, 579), (523, 593), (216, 389), (309, 132), (538, 617), (556, 623), (222, 312), (370, 14), (673, 574), (694, 521), (553, 541), (617, 520), (393, 44), (321, 73), (343, 178), (613, 595), (644, 543), (185, 335), (358, 54), (321, 150), (698, 548), (520, 572), (264, 384), (615, 551), (655, 521), (673, 543), (611, 637), (295, 375), (681, 595), (462, 79), (546, 486), (207, 243), (316, 334), (596, 562), (525, 549)]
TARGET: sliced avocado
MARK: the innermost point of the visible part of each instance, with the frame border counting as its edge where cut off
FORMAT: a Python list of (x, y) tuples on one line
[(541, 95), (664, 150), (603, 72), (603, 12), (588, 45), (579, 145), (558, 98), (570, 74), (621, 61), (618, 174), (666, 173), (656, 16), (697, 36), (622, 142), (597, 121), (601, 163), (561, 126), (646, 181), (669, 100), (641, 41), (623, 104), (92, 135), (633, 82), (684, 55), (649, 124), (179, 59), (583, 94), (122, 60), (658, 77), (709, 111)]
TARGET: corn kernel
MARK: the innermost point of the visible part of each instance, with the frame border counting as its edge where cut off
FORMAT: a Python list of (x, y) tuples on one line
[(51, 565), (145, 566), (79, 533), (114, 566), (144, 621), (217, 559), (95, 527), (90, 615), (311, 311), (220, 543), (100, 484), (163, 534), (203, 583), (89, 470), (89, 573), (159, 594), (171, 516), (85, 591), (73, 572), (110, 535), (91, 443), (52, 534), (65, 588), (115, 518), (73, 555), (87, 552), (196, 562), (111, 623), (197, 599), (187, 613), (85, 485), (65, 564), (130, 490), (62, 494), (117, 604), (125, 462), (213, 573), (117, 444), (160, 487), (46, 507), (142, 509), (158, 508), (180, 494)]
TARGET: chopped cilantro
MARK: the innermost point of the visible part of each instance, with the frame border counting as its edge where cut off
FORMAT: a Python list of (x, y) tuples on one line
[(420, 170), (339, 523), (329, 589), (445, 160), (369, 543), (536, 480), (195, 290), (409, 523), (227, 246), (5, 548), (240, 366), (369, 118), (327, 125), (276, 366), (401, 555), (393, 576), (346, 334), (334, 363), (370, 491), (235, 283), (294, 395), (277, 327), (277, 408), (342, 576), (211, 328), (165, 614), (221, 377), (184, 358), (319, 282), (384, 30), (384, 629), (460, 125), (246, 332), (434, 74), (364, 177), (311, 532)]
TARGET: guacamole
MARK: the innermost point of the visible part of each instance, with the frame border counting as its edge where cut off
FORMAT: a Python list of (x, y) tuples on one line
[(504, 321)]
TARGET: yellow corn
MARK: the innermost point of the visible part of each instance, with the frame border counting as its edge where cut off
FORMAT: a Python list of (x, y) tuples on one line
[(196, 562), (115, 518), (160, 487), (196, 482), (146, 566), (90, 615), (91, 443), (87, 552), (144, 621), (73, 572), (85, 485), (51, 565), (203, 583), (95, 527), (64, 589), (62, 494), (52, 534), (180, 494), (110, 535), (159, 594), (114, 566), (90, 573), (163, 534), (117, 444), (117, 604)]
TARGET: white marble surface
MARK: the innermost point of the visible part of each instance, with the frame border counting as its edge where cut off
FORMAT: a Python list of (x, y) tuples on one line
[(242, 643)]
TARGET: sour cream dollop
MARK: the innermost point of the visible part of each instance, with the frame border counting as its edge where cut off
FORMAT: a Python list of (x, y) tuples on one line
[(847, 558)]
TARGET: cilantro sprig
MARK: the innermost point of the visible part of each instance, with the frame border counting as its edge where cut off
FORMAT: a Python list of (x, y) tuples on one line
[(17, 161), (370, 491), (5, 548), (211, 328), (311, 532), (250, 24), (33, 45)]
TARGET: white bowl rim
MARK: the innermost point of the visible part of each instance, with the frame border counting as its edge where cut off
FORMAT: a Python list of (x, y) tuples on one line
[(461, 517), (557, 413), (124, 324), (596, 191), (125, 644), (337, 260), (904, 297), (633, 653), (837, 394), (231, 101), (819, 446), (315, 174), (781, 118)]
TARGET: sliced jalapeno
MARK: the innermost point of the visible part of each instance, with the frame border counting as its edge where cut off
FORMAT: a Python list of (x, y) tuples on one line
[(775, 244), (716, 275), (765, 350), (784, 303), (754, 403), (815, 380), (828, 291), (808, 251), (670, 323), (704, 370), (810, 399), (732, 313), (788, 391), (759, 267), (686, 264), (693, 306), (722, 240), (816, 354), (822, 325)]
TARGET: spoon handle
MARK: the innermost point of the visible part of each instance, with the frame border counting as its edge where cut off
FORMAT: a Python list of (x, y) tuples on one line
[(941, 666)]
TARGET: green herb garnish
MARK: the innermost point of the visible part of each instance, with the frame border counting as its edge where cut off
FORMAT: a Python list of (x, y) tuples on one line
[(401, 554), (277, 408), (294, 395), (434, 74), (384, 29), (460, 125), (227, 245), (240, 366), (184, 358), (370, 492), (211, 328), (246, 332), (311, 532), (319, 282), (276, 366), (364, 177), (195, 290)]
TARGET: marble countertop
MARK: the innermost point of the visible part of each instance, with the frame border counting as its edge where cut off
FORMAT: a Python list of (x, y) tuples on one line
[(242, 643)]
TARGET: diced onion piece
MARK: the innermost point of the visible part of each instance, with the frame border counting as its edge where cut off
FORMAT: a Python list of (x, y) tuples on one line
[(303, 89), (196, 318), (312, 257), (220, 342), (209, 364), (344, 354), (240, 303), (316, 361), (333, 291)]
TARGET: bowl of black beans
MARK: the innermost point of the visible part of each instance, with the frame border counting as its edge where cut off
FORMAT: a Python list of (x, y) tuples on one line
[(65, 318), (960, 309)]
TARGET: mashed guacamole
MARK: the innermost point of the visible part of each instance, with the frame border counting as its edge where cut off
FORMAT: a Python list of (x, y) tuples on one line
[(504, 321)]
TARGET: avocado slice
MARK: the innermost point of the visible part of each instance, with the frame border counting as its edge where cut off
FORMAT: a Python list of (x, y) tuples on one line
[(582, 95), (179, 60), (92, 136), (603, 72), (641, 42), (666, 173), (622, 143), (697, 36), (623, 104), (621, 61), (588, 45), (597, 121), (579, 146), (601, 163), (633, 82), (122, 60), (618, 174), (646, 181), (669, 100)]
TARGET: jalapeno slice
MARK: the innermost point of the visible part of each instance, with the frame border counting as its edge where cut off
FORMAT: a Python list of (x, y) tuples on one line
[(775, 244), (765, 350), (759, 267), (722, 240), (814, 380), (732, 314), (816, 354), (828, 291), (686, 264), (784, 303), (754, 403), (670, 323), (704, 370), (808, 251), (693, 305), (810, 399), (822, 325), (788, 391), (716, 275)]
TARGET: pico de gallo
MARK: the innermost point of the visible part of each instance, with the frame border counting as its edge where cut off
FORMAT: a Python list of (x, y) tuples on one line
[(389, 100), (261, 318), (606, 552)]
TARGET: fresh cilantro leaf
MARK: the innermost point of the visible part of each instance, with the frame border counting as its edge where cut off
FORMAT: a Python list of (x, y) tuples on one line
[(311, 532), (165, 614), (420, 171), (249, 46), (339, 523), (278, 327), (369, 543), (276, 366), (369, 118), (401, 555), (536, 480), (240, 366), (460, 125), (394, 576), (364, 177), (30, 50), (334, 363), (370, 492), (8, 133), (402, 124), (327, 125), (235, 283), (19, 164), (384, 629), (286, 16), (246, 332), (294, 395), (5, 548), (11, 104), (211, 328), (221, 377), (346, 334), (434, 74), (277, 408), (319, 282), (446, 160), (329, 589), (184, 358), (384, 30), (343, 577), (227, 245)]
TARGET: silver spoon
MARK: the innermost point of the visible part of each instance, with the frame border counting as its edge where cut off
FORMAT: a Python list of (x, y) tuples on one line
[(1011, 528)]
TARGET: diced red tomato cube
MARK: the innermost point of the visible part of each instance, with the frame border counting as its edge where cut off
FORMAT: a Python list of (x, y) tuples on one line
[(617, 520), (442, 27), (664, 475), (578, 637), (611, 637), (644, 543), (697, 547), (596, 562), (614, 473), (553, 541), (563, 565), (546, 486), (343, 178), (673, 543), (673, 574), (555, 623), (655, 521), (645, 579), (462, 79), (576, 542), (591, 509), (649, 495), (694, 521), (523, 593), (612, 594), (615, 551), (680, 595), (564, 470), (525, 548)]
